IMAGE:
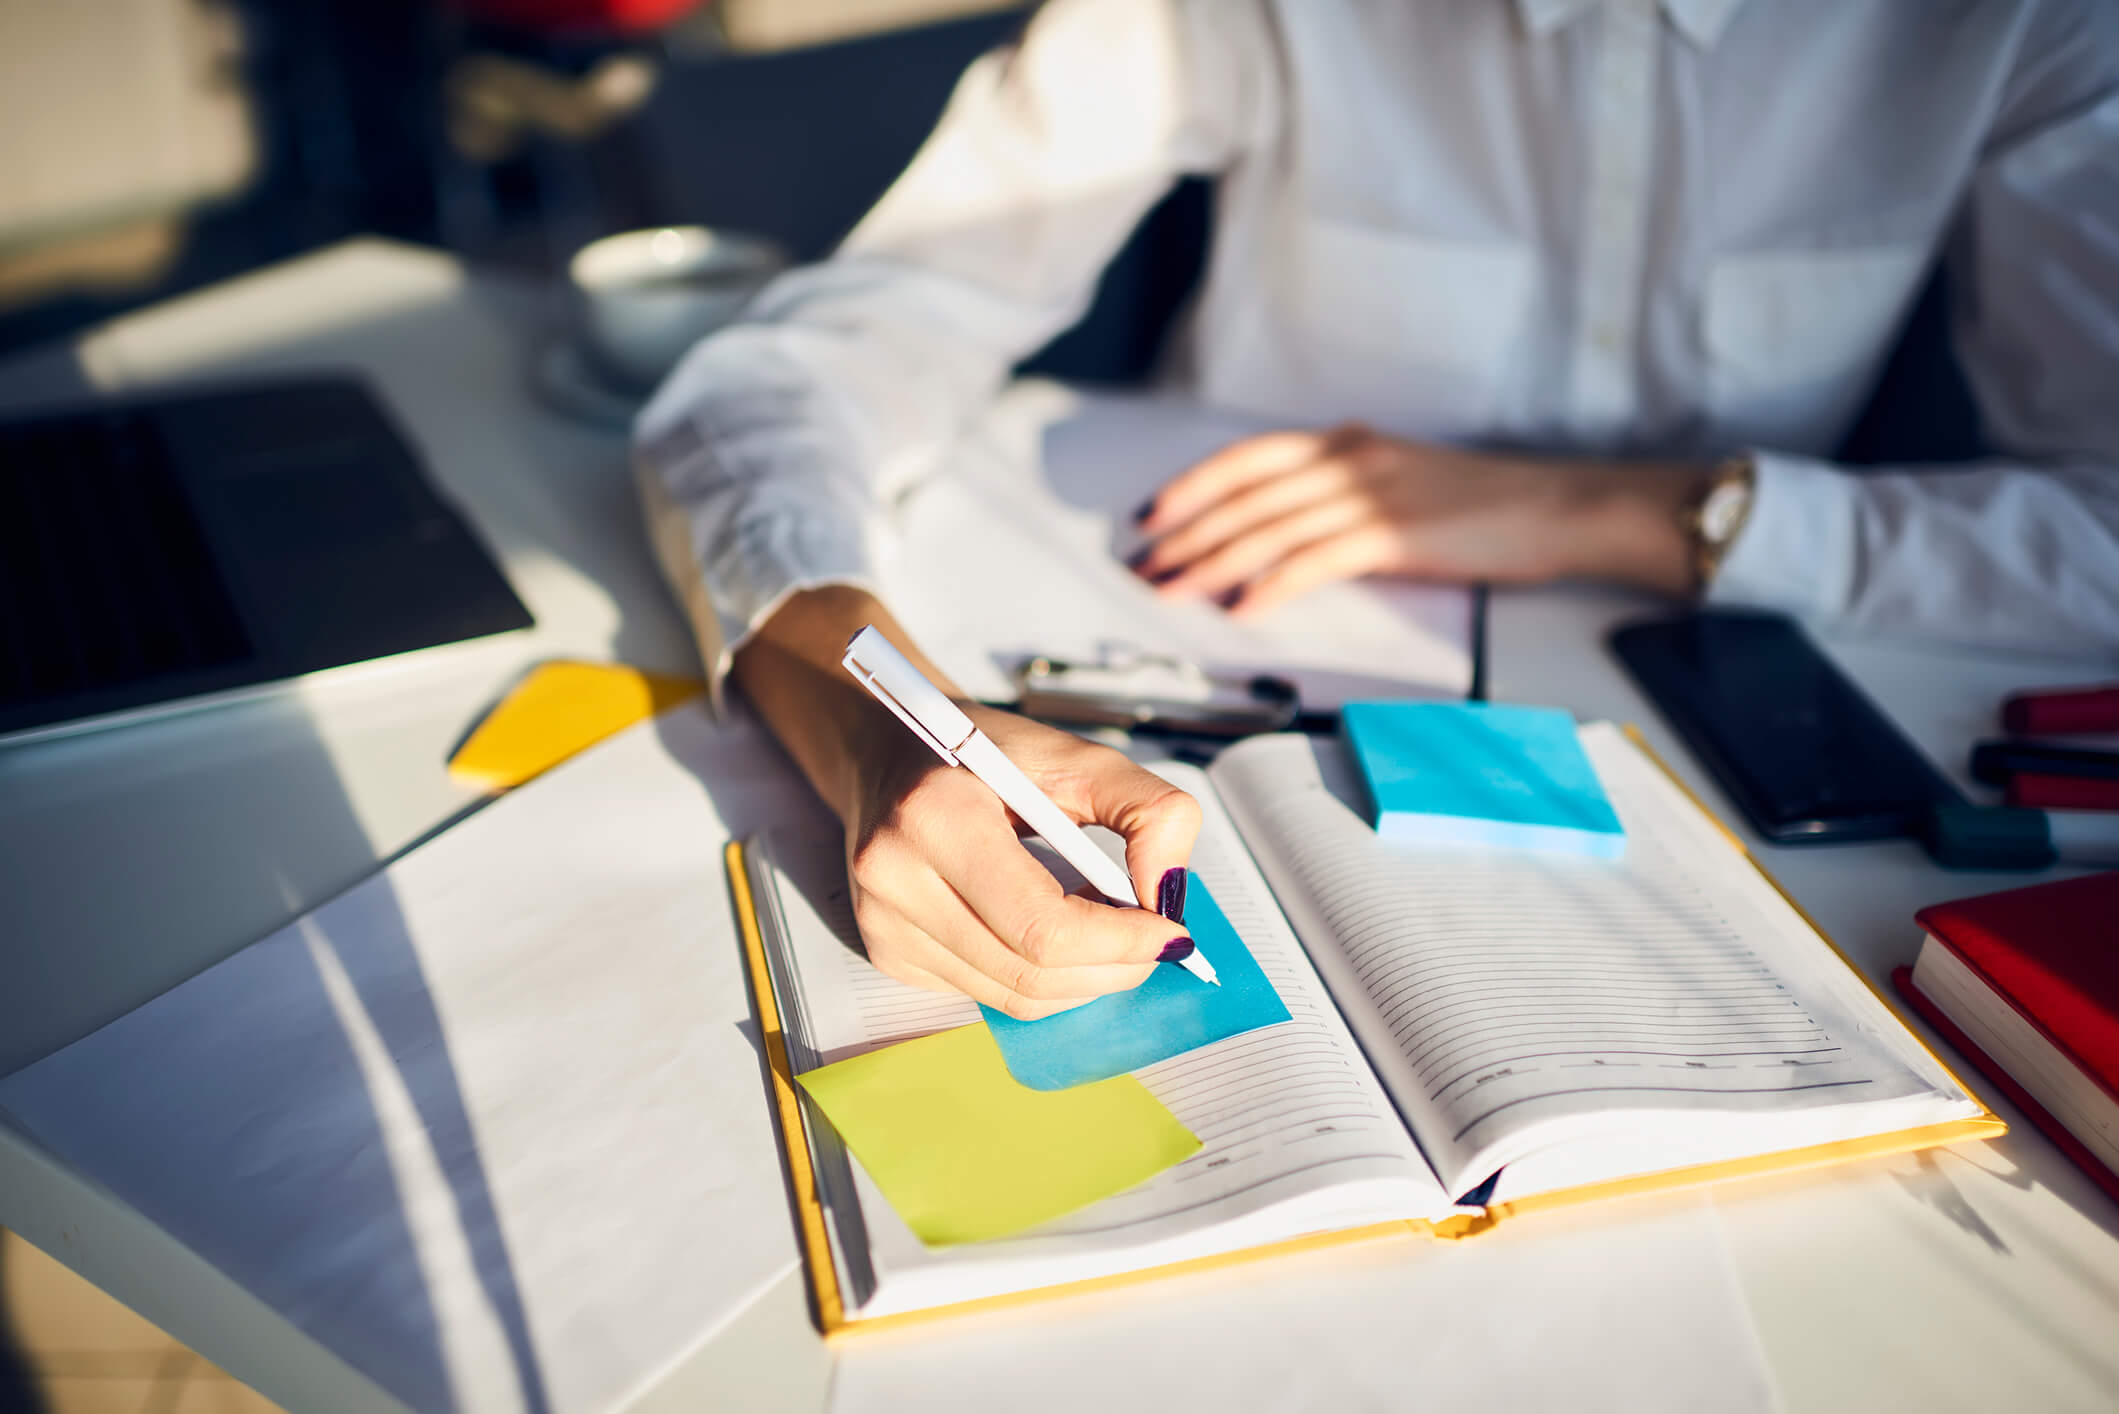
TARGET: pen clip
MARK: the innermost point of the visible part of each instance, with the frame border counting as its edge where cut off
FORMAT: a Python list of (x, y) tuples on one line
[(882, 693)]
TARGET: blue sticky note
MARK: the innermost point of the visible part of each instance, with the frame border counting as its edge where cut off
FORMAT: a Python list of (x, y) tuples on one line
[(1170, 1013), (1480, 773)]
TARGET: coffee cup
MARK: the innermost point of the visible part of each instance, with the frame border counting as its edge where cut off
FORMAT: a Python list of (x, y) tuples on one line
[(642, 298)]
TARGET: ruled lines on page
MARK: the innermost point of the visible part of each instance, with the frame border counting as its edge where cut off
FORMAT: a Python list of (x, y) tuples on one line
[(890, 1010), (1517, 988), (1291, 1106), (844, 1006)]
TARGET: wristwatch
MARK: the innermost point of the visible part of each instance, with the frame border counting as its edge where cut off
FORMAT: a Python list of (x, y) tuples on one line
[(1714, 520)]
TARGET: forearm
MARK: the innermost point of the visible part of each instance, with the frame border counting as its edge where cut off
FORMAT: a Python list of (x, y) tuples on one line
[(1626, 523), (791, 673), (764, 457), (2003, 555)]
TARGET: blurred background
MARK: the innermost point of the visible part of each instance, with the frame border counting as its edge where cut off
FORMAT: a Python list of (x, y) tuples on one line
[(159, 145)]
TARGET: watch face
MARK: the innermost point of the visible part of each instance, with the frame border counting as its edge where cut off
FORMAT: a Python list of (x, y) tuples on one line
[(1722, 512)]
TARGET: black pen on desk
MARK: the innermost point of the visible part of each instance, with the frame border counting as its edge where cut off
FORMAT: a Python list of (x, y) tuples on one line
[(1995, 761)]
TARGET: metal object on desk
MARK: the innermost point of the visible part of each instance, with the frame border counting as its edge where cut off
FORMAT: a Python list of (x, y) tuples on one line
[(1134, 689)]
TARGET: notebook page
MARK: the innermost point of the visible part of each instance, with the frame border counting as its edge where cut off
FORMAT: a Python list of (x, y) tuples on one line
[(1297, 1133), (1515, 1001)]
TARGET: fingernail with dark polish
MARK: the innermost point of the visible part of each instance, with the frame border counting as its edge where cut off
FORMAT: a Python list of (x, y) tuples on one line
[(1229, 597), (1139, 557), (1162, 576), (1178, 950), (1144, 510), (1170, 895)]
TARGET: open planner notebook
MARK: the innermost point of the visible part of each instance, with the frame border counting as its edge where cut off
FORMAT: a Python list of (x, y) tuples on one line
[(1473, 1034)]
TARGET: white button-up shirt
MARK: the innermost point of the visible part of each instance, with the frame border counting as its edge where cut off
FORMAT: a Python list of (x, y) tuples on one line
[(1622, 227)]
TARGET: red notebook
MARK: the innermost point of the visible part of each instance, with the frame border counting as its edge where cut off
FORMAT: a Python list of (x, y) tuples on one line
[(2026, 984)]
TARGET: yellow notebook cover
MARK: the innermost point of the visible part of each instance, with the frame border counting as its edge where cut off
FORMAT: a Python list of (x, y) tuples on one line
[(828, 1304), (561, 708)]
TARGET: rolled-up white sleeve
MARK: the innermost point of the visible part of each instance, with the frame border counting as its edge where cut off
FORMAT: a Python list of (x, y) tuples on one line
[(764, 459), (2022, 551), (2002, 555)]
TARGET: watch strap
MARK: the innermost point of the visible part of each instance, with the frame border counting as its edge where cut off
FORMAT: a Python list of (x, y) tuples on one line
[(1711, 528)]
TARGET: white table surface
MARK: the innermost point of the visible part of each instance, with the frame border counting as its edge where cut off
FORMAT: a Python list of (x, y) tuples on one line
[(1979, 1276)]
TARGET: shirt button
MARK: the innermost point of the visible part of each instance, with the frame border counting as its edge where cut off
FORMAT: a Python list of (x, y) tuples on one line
[(1605, 338)]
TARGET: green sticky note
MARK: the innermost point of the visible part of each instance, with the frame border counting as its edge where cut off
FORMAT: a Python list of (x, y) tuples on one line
[(965, 1153)]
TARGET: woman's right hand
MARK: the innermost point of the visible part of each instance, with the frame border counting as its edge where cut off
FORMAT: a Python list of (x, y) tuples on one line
[(945, 893)]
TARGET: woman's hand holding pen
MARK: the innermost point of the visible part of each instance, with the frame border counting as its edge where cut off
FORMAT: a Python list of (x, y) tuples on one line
[(945, 893), (1271, 517), (949, 899)]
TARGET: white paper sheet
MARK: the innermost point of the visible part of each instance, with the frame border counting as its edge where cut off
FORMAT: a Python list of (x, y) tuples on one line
[(1630, 1308), (490, 1126), (1015, 551)]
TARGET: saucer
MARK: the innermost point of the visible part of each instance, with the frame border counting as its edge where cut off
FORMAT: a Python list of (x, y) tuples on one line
[(567, 383)]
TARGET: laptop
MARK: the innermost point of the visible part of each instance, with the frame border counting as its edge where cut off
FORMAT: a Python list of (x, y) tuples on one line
[(165, 554)]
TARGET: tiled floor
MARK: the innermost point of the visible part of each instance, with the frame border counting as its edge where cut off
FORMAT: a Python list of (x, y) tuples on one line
[(88, 1354)]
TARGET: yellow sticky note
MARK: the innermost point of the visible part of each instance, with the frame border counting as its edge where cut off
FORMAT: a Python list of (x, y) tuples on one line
[(559, 709), (965, 1153)]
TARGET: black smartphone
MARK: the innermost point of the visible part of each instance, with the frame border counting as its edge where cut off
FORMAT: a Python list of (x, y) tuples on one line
[(1804, 753)]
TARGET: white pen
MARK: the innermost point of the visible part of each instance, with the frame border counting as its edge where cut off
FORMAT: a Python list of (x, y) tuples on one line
[(925, 708)]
